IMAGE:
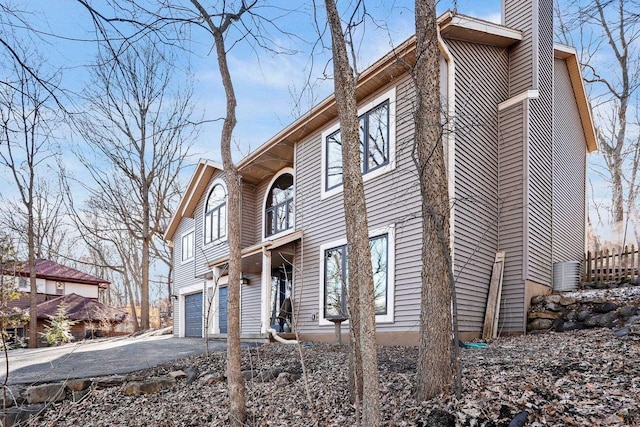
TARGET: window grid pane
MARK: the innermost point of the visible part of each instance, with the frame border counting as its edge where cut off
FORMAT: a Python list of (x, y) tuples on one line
[(374, 141), (336, 273)]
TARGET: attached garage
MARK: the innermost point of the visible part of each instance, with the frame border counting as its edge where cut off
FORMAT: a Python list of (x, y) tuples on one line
[(193, 315)]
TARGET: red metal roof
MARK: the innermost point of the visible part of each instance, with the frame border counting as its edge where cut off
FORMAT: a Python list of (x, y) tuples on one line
[(51, 270), (81, 308)]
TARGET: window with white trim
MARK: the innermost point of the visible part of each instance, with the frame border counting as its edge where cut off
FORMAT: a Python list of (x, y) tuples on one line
[(215, 215), (187, 246), (279, 214), (335, 272), (375, 147), (377, 119)]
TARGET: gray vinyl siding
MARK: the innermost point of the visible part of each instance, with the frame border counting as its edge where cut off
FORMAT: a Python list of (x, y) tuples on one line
[(204, 255), (540, 157), (511, 194), (183, 273), (481, 84), (518, 14), (250, 305), (569, 155), (250, 222), (392, 199)]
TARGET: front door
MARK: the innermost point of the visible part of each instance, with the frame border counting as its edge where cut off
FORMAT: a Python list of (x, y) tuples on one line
[(281, 307), (222, 309)]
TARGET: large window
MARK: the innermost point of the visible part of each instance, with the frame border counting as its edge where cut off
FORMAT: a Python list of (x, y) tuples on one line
[(215, 215), (279, 214), (335, 278), (374, 145), (187, 246)]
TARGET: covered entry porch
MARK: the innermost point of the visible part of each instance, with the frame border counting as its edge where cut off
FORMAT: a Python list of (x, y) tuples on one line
[(267, 288)]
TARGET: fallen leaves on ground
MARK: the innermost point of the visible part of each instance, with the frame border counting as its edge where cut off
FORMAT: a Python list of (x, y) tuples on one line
[(581, 378)]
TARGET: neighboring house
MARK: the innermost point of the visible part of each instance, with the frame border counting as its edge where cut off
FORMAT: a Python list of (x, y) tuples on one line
[(57, 283), (91, 317), (519, 127)]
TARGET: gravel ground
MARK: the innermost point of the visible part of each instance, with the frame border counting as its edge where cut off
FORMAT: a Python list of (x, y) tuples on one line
[(579, 378)]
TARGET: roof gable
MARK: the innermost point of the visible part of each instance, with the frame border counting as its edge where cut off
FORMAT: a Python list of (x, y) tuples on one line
[(193, 192), (51, 270)]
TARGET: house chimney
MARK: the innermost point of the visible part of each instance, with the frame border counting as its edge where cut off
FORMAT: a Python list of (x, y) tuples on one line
[(532, 59)]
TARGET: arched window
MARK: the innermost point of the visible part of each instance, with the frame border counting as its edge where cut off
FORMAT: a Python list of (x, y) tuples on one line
[(279, 208), (215, 214)]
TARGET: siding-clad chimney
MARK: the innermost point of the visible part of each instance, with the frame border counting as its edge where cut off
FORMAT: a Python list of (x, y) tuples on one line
[(526, 158)]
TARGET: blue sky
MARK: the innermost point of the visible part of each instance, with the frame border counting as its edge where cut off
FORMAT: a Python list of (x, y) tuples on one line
[(266, 84)]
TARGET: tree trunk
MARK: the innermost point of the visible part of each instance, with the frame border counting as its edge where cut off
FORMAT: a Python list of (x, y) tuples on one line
[(360, 274), (132, 303), (434, 371), (33, 296), (235, 381)]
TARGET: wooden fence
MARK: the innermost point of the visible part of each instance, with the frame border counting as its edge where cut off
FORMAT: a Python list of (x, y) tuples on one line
[(612, 264)]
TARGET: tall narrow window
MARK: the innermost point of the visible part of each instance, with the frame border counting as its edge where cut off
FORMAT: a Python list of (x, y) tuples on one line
[(187, 246), (279, 215), (336, 273), (215, 216), (374, 145)]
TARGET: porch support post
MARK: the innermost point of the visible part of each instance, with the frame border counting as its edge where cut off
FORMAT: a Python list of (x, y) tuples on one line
[(214, 312), (265, 294)]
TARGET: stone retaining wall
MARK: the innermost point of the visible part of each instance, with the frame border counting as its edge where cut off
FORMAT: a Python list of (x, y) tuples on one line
[(617, 308)]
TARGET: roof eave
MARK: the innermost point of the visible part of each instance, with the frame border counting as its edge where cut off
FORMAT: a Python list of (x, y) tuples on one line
[(570, 56), (191, 195)]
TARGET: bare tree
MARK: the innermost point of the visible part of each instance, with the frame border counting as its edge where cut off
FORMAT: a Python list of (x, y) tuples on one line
[(434, 363), (235, 382), (140, 134), (49, 229), (360, 274), (25, 147), (613, 79)]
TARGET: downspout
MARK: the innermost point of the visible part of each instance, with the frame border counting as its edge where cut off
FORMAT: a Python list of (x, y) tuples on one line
[(278, 338), (449, 134)]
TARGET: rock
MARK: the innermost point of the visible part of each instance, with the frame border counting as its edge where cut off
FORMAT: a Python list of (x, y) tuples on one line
[(438, 418), (571, 316), (519, 420), (571, 326), (606, 320), (557, 325), (15, 396), (604, 307), (211, 379), (78, 385), (552, 306), (627, 311), (19, 415), (78, 395), (553, 299), (592, 320), (583, 315), (286, 378), (543, 315), (192, 374), (565, 301), (106, 382), (538, 299), (177, 374), (540, 324), (633, 319), (622, 332), (45, 393), (152, 385)]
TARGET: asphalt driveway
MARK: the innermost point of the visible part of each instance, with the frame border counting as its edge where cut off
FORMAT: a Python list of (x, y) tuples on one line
[(101, 357)]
